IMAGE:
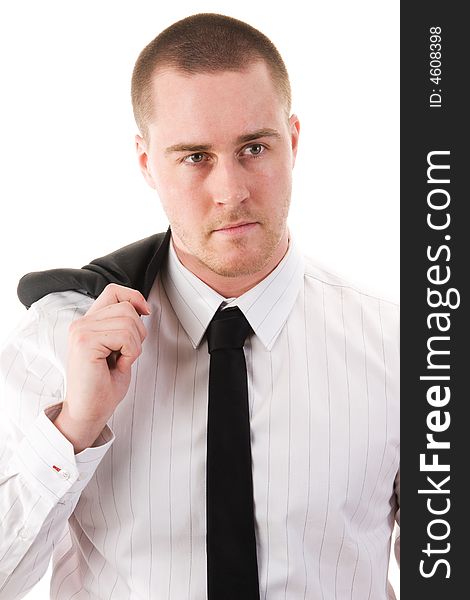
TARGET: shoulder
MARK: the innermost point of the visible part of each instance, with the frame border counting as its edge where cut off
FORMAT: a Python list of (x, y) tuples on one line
[(352, 305), (356, 323), (41, 335), (317, 275), (67, 304), (316, 272), (54, 313)]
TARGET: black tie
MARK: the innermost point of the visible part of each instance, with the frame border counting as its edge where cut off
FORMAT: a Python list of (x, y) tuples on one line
[(232, 571)]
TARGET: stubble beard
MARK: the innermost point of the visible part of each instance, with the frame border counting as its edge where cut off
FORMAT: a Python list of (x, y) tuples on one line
[(244, 261), (246, 258)]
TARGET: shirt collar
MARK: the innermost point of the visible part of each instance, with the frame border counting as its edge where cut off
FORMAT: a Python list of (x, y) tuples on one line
[(266, 306)]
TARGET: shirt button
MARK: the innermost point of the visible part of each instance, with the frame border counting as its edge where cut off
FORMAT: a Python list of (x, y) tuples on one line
[(24, 533), (65, 474)]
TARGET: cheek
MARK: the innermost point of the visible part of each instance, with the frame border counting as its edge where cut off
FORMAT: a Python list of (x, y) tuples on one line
[(175, 192), (182, 205), (273, 182), (278, 167)]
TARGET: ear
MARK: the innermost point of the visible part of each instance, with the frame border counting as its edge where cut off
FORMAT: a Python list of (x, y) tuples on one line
[(143, 159), (294, 130)]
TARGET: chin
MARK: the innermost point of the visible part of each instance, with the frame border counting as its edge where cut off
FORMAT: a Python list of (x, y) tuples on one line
[(238, 266)]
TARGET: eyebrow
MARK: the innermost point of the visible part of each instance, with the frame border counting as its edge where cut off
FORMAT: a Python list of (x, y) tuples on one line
[(242, 139)]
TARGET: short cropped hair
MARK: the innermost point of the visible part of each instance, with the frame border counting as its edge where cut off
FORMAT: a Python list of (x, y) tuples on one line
[(204, 43)]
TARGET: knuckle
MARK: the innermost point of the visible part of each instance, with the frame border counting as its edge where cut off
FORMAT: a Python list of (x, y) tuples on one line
[(81, 337), (128, 336), (78, 321), (80, 333), (75, 327), (129, 322), (129, 309), (111, 287)]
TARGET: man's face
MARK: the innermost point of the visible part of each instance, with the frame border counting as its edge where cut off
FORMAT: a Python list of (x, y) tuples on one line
[(220, 153)]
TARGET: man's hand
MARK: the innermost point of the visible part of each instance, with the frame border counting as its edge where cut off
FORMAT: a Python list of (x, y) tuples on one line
[(102, 346)]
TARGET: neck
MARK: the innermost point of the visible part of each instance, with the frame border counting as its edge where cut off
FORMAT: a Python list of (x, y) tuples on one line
[(231, 287)]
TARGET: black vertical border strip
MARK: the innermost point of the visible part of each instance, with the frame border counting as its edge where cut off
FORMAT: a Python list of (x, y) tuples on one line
[(425, 129)]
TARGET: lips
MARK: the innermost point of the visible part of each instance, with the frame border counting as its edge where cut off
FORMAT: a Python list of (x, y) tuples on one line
[(235, 225), (235, 228)]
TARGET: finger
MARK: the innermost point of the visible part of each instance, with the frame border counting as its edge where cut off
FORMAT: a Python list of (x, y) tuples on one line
[(122, 363), (115, 324), (123, 310), (114, 293), (98, 345)]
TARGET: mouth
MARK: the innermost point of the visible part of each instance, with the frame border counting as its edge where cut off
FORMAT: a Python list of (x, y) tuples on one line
[(237, 228)]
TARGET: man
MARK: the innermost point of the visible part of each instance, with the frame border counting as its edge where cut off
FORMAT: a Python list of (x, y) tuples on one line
[(108, 460)]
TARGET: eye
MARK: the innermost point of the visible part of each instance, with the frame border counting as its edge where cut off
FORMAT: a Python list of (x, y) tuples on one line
[(195, 158), (254, 150)]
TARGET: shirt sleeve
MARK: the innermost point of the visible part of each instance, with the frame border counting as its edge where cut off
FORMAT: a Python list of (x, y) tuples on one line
[(390, 590), (397, 519), (41, 478)]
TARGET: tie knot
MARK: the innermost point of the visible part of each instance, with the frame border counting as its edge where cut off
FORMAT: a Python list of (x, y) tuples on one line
[(228, 329)]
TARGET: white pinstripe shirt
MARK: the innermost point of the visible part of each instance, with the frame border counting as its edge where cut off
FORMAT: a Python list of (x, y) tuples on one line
[(126, 518)]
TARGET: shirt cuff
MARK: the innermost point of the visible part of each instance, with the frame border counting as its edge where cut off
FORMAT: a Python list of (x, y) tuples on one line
[(46, 459)]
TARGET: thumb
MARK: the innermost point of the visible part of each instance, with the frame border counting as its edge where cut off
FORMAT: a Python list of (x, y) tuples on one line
[(124, 364)]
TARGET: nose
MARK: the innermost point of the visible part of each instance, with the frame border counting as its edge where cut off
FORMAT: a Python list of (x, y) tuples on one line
[(227, 182)]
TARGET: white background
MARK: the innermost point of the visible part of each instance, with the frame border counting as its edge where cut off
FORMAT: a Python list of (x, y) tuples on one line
[(70, 187)]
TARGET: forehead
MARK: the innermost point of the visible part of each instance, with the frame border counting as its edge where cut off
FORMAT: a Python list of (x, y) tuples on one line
[(224, 103)]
